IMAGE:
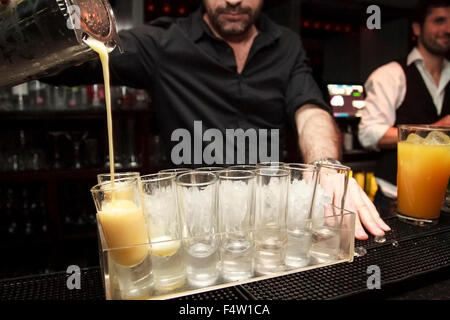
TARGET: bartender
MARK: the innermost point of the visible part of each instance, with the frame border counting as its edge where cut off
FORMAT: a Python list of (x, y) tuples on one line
[(230, 67), (413, 90)]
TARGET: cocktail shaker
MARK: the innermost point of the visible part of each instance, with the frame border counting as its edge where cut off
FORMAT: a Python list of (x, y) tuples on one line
[(39, 38)]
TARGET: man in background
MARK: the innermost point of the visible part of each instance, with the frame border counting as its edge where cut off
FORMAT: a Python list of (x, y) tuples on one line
[(413, 90)]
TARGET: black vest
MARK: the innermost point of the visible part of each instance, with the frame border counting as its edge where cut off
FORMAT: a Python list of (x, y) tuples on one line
[(417, 108)]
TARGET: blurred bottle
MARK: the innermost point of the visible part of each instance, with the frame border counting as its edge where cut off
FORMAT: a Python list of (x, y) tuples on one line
[(126, 97), (20, 96), (348, 139), (39, 95), (83, 97), (117, 161), (74, 98), (11, 222), (157, 154), (26, 214), (43, 217), (18, 157), (142, 99), (96, 95), (5, 99), (59, 98), (90, 152)]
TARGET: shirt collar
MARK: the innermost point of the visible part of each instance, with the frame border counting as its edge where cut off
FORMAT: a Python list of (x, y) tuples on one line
[(199, 27), (415, 55)]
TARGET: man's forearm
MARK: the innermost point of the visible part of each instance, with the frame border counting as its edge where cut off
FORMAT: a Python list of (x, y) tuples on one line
[(318, 134), (389, 139)]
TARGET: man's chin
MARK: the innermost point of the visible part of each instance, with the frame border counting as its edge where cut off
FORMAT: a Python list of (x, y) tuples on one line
[(436, 48), (233, 29)]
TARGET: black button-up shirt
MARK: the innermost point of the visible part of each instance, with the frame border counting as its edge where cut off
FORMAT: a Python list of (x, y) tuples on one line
[(191, 75)]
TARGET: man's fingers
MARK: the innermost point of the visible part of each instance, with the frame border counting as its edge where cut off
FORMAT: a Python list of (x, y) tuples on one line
[(364, 210), (360, 234), (374, 212)]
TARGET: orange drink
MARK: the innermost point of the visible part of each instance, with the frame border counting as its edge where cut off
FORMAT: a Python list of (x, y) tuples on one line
[(423, 172), (120, 214)]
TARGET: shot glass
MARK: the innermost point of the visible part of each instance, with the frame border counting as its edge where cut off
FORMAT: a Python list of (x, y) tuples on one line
[(334, 240), (106, 177), (331, 190), (270, 220), (236, 216), (327, 211), (197, 201), (125, 233), (159, 199), (121, 177), (303, 179)]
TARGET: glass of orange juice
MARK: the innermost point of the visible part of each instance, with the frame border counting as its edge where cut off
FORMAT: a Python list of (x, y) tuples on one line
[(423, 172)]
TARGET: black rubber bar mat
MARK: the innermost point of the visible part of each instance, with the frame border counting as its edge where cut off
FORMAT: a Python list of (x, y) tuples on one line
[(408, 252), (54, 287), (404, 254)]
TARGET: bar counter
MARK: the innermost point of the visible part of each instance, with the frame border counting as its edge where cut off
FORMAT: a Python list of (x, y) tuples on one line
[(414, 263)]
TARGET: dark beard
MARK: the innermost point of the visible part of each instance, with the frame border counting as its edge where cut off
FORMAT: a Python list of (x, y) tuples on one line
[(221, 26), (434, 48)]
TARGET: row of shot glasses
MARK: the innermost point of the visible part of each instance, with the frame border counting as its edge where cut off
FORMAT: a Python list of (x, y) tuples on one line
[(185, 228)]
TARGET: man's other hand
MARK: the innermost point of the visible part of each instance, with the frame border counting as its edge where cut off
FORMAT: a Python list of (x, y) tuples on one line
[(444, 122), (366, 213)]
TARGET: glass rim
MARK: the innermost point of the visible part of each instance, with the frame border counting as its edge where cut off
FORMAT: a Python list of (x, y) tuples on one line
[(243, 167), (334, 166), (279, 172), (127, 173), (118, 173), (269, 164), (118, 184), (214, 177), (159, 176), (174, 170), (245, 174), (300, 166), (423, 127), (209, 169)]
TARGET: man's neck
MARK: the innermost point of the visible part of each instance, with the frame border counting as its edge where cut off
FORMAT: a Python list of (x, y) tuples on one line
[(432, 63)]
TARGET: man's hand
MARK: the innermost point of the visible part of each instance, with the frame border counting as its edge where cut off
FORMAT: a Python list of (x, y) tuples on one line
[(356, 201), (366, 213), (444, 122), (319, 138)]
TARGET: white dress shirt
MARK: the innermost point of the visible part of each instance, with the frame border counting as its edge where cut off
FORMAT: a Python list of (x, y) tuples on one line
[(385, 93)]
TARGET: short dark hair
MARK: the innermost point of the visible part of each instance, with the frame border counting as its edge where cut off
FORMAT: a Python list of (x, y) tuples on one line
[(424, 7)]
